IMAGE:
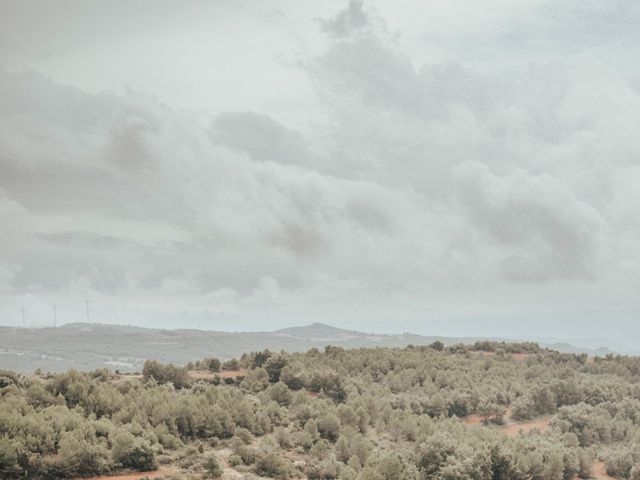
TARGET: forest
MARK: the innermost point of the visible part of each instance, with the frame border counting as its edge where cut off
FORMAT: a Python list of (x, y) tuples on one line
[(415, 413)]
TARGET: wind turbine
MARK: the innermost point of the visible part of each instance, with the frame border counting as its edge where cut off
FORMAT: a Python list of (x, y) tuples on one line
[(55, 316), (23, 310)]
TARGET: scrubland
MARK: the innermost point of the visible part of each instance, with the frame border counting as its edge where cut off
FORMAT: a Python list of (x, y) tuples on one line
[(489, 411)]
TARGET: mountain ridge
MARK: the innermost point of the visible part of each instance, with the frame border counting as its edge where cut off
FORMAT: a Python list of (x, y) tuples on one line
[(87, 346)]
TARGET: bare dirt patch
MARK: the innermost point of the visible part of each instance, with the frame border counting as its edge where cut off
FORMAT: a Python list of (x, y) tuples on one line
[(600, 472), (125, 376), (512, 429), (207, 375), (520, 356), (133, 476), (233, 373), (516, 356), (202, 375), (229, 473), (472, 420)]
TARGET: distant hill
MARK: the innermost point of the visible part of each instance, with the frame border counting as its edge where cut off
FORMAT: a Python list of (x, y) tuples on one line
[(86, 346), (568, 348), (318, 331)]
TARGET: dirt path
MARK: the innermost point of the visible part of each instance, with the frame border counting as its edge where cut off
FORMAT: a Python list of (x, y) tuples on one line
[(202, 375), (511, 428), (207, 375), (472, 420), (229, 473), (520, 357), (132, 476), (600, 472), (233, 373)]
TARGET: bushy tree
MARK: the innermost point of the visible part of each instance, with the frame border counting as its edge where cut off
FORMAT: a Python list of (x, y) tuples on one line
[(169, 373), (132, 452), (212, 467), (274, 365), (212, 364), (9, 467)]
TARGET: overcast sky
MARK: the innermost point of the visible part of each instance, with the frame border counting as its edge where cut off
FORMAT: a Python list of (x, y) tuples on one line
[(459, 168)]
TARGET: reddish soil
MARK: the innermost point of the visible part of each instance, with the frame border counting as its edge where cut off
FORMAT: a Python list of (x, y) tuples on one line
[(520, 356), (202, 374), (207, 375), (472, 420), (129, 375), (478, 419), (484, 353), (516, 356), (233, 373), (600, 472), (513, 429), (132, 476)]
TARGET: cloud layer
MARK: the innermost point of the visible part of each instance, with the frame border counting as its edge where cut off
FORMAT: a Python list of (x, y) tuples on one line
[(440, 197)]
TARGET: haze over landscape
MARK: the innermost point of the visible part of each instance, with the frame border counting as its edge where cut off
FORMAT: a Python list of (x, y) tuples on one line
[(440, 168)]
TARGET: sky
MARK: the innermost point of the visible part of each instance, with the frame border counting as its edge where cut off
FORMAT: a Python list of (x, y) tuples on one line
[(456, 168)]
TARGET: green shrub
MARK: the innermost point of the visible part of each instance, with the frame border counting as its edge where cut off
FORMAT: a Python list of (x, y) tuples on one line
[(212, 467), (269, 464), (132, 452)]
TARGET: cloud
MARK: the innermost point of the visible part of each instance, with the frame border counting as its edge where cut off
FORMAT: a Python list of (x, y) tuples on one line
[(541, 229), (352, 19), (422, 190), (30, 93), (577, 25), (260, 136), (239, 218)]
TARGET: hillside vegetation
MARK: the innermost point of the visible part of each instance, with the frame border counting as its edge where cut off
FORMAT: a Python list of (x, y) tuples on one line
[(365, 414)]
